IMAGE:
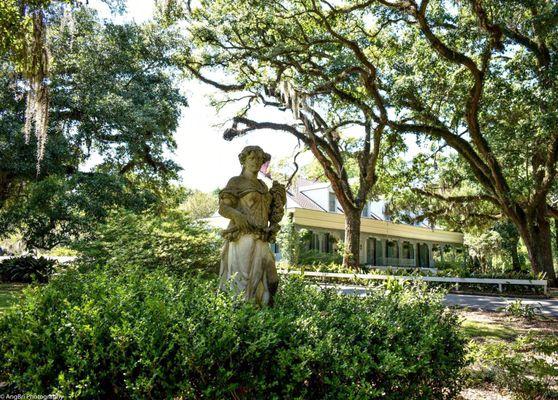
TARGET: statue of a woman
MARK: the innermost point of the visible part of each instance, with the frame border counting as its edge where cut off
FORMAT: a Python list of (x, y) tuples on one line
[(247, 262)]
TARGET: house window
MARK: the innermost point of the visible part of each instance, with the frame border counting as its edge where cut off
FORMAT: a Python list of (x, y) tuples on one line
[(408, 251), (331, 202), (315, 241), (328, 242), (392, 250)]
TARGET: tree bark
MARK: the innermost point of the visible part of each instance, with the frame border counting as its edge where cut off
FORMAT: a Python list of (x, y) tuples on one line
[(536, 234), (351, 255)]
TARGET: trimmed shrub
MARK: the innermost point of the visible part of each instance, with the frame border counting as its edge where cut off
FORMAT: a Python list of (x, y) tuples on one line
[(170, 240), (316, 257), (151, 335), (27, 269)]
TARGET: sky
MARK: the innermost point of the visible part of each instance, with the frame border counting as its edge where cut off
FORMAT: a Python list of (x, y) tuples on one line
[(208, 161)]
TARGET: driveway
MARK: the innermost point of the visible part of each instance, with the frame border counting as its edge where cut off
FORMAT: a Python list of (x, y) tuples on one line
[(548, 307)]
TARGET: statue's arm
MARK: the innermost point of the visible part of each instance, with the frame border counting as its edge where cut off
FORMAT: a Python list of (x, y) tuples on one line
[(227, 209)]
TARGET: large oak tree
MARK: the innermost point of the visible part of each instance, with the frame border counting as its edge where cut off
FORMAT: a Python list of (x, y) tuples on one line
[(478, 76), (113, 102), (279, 55)]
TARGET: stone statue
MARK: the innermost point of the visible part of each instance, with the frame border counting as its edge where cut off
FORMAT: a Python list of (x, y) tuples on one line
[(247, 262)]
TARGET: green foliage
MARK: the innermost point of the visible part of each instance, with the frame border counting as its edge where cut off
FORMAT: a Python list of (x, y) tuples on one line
[(63, 252), (146, 334), (167, 240), (200, 204), (293, 244), (26, 269), (56, 210), (16, 27), (10, 294), (113, 102), (290, 241), (317, 258), (518, 309), (457, 269), (475, 82)]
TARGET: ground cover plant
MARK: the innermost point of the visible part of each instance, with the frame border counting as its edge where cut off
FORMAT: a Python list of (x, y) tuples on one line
[(149, 334), (26, 269), (511, 357)]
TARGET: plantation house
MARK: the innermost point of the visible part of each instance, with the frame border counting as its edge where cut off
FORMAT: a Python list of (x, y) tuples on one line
[(314, 207)]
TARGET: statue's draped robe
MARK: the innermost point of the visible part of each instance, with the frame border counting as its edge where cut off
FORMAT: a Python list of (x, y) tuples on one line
[(247, 262)]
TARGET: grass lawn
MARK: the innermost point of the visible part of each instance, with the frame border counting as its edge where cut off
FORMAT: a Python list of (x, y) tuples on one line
[(9, 294)]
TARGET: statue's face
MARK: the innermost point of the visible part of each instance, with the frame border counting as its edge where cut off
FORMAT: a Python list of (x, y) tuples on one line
[(253, 161)]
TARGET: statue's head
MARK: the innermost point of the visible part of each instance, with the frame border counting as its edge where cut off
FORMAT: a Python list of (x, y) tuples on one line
[(253, 157)]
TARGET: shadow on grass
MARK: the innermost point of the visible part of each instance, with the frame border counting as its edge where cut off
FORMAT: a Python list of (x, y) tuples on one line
[(475, 330)]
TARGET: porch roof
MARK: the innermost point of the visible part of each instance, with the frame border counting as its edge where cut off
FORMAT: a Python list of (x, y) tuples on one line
[(335, 221)]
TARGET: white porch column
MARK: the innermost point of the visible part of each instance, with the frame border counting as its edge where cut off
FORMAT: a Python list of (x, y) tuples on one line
[(379, 254)]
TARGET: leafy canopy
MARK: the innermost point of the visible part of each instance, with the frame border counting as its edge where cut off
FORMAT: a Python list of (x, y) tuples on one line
[(115, 103)]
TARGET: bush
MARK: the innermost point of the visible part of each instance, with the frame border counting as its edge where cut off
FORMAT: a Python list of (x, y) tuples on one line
[(317, 257), (291, 240), (294, 242), (26, 269), (169, 240), (150, 335)]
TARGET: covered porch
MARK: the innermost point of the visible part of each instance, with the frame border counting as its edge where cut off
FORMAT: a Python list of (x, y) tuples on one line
[(383, 243)]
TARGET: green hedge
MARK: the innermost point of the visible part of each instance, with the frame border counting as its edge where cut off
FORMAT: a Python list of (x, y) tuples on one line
[(150, 335)]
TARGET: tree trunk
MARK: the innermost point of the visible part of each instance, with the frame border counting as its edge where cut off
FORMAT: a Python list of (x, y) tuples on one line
[(351, 255), (537, 236)]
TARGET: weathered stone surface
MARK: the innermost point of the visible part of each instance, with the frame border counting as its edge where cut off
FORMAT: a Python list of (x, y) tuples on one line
[(247, 262)]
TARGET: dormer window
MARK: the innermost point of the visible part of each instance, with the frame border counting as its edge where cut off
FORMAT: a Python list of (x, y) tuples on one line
[(331, 202), (365, 210)]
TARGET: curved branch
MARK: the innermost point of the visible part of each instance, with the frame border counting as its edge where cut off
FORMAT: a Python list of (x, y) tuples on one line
[(222, 86), (337, 182)]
